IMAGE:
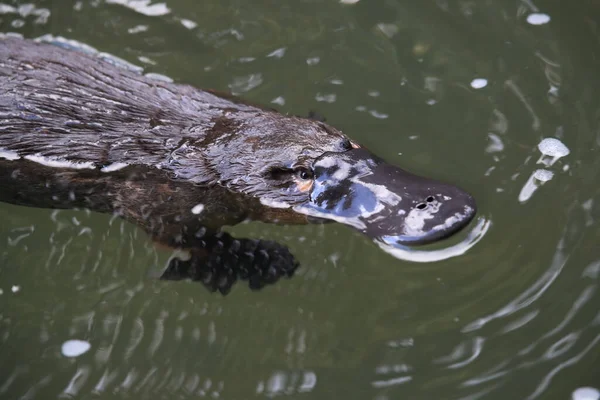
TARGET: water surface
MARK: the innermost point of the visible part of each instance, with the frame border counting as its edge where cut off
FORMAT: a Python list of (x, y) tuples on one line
[(457, 90)]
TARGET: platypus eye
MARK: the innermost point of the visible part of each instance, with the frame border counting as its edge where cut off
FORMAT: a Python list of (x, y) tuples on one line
[(303, 173)]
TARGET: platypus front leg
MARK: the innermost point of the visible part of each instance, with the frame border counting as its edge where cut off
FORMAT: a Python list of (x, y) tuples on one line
[(225, 259)]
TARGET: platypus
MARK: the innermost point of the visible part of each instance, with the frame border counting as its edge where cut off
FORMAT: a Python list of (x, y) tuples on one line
[(181, 163)]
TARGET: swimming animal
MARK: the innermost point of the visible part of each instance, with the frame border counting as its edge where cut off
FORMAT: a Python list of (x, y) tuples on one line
[(179, 162)]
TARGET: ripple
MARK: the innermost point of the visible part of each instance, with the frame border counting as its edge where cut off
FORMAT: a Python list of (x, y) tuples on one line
[(143, 7), (473, 237)]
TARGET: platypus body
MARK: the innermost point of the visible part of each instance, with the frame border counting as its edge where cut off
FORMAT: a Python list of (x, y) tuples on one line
[(180, 162)]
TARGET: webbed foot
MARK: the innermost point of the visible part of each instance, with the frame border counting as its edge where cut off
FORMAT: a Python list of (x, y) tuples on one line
[(225, 259)]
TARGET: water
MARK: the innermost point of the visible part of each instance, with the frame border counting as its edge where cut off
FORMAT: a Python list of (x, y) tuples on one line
[(457, 90)]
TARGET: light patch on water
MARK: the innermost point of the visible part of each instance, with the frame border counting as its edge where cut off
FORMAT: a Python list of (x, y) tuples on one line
[(59, 163), (410, 254), (479, 83), (189, 24), (143, 7), (496, 144), (114, 167), (389, 30), (391, 382), (538, 19), (537, 178), (198, 208), (75, 348), (586, 393), (543, 175), (313, 60), (378, 115), (278, 100), (349, 1), (138, 29), (553, 149), (279, 53), (242, 84), (15, 288), (327, 98), (9, 155)]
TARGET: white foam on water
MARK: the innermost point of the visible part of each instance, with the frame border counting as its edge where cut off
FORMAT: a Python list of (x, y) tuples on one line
[(189, 24), (586, 393), (143, 7), (59, 163), (114, 167), (552, 148), (479, 83), (536, 179), (15, 288), (538, 18), (9, 155), (198, 208), (543, 175), (75, 348), (349, 1)]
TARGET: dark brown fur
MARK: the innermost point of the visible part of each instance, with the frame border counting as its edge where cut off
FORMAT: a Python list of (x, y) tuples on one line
[(184, 147)]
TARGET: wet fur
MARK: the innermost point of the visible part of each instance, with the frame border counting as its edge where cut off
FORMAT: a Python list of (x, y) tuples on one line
[(185, 147)]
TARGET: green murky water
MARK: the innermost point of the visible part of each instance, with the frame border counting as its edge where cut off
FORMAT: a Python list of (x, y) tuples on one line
[(459, 90)]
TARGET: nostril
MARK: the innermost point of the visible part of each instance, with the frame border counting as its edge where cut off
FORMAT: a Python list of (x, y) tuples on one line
[(430, 199), (421, 206)]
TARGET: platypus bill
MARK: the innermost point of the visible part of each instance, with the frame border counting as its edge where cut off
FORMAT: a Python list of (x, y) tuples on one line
[(77, 131)]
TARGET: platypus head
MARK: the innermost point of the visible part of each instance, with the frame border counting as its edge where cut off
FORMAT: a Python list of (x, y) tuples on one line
[(302, 171)]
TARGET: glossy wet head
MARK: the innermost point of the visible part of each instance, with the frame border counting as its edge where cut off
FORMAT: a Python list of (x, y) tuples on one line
[(305, 171), (385, 202)]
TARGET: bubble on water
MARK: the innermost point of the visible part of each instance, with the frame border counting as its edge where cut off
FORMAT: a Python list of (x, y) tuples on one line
[(538, 18), (543, 175), (189, 24), (198, 208), (552, 148), (15, 288), (75, 348), (536, 179), (479, 83), (586, 393)]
